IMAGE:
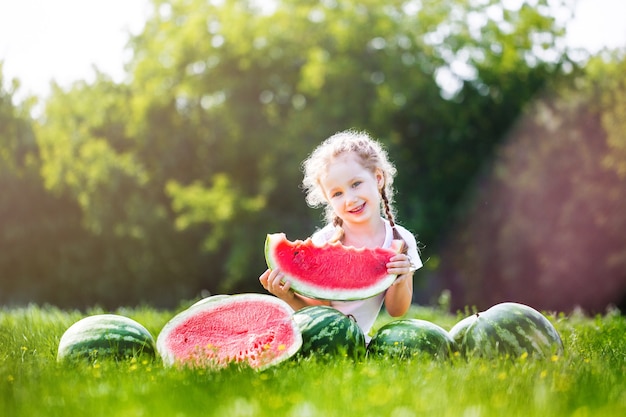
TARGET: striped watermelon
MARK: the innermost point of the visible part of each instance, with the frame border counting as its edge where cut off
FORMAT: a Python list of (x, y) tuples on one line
[(408, 338), (327, 331), (332, 271), (105, 335), (255, 330), (507, 329)]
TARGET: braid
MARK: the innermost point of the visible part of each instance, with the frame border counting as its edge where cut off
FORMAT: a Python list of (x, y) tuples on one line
[(389, 214), (338, 235), (387, 207), (337, 221)]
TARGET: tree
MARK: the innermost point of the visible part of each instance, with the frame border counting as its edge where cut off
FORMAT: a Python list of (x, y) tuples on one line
[(176, 175)]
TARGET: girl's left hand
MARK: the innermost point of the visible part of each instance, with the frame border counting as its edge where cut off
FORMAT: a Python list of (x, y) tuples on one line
[(400, 265)]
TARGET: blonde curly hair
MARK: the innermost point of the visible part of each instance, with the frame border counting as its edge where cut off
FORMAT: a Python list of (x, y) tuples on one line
[(372, 156)]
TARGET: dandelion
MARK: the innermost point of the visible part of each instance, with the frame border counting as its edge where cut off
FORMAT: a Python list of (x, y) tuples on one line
[(523, 356), (543, 374), (554, 358)]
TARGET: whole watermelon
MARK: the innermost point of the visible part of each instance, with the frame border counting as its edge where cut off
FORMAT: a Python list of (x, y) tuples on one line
[(507, 329), (327, 331), (408, 338), (105, 336)]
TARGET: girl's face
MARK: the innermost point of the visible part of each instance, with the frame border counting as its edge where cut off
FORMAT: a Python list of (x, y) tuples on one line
[(352, 190)]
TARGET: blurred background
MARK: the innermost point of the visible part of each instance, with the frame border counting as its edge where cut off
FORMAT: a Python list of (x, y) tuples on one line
[(155, 176)]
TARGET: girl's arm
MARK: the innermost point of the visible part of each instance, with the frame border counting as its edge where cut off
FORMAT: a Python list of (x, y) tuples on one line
[(274, 282), (399, 296)]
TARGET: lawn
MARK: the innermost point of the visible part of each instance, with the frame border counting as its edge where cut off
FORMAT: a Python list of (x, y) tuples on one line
[(587, 380)]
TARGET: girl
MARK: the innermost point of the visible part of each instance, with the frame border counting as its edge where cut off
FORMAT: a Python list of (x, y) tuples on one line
[(350, 175)]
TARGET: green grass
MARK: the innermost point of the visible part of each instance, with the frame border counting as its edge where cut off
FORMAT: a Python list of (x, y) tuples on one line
[(588, 380)]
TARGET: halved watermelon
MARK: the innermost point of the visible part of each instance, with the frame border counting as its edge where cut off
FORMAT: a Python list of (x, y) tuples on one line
[(332, 271), (257, 330)]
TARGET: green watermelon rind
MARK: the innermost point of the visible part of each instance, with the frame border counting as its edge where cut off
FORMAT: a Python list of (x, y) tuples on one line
[(105, 336), (327, 331), (410, 338), (508, 329), (323, 293), (214, 302)]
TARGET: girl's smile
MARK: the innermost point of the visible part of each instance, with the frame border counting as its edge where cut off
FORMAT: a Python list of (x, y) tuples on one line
[(358, 210)]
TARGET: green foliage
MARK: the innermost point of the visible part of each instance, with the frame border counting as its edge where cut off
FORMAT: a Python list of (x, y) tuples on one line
[(156, 188), (586, 381)]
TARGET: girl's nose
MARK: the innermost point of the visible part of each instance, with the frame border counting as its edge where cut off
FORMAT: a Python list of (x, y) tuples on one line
[(352, 197)]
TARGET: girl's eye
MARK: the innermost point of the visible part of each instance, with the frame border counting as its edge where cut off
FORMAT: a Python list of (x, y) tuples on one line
[(336, 194), (356, 184)]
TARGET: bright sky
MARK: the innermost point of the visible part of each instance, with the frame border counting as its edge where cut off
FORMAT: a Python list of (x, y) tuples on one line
[(42, 40), (62, 40)]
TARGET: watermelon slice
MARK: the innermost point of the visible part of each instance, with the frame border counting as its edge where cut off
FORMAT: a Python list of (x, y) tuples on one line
[(332, 271), (256, 330)]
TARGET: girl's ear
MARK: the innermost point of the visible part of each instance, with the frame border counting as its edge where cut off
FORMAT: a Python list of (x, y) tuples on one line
[(380, 179)]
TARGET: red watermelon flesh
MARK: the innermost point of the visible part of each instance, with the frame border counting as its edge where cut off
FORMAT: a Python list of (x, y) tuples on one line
[(331, 271), (251, 329)]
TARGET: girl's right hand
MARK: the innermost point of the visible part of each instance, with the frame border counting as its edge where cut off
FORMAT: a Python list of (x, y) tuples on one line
[(273, 281)]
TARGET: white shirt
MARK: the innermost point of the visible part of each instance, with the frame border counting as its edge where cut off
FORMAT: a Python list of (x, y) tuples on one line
[(366, 311)]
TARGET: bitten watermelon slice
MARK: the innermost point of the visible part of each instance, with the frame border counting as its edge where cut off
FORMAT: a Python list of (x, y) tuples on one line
[(256, 330), (332, 271)]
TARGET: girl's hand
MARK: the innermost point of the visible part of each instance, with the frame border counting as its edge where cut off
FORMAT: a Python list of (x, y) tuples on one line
[(273, 281), (400, 265), (398, 296)]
